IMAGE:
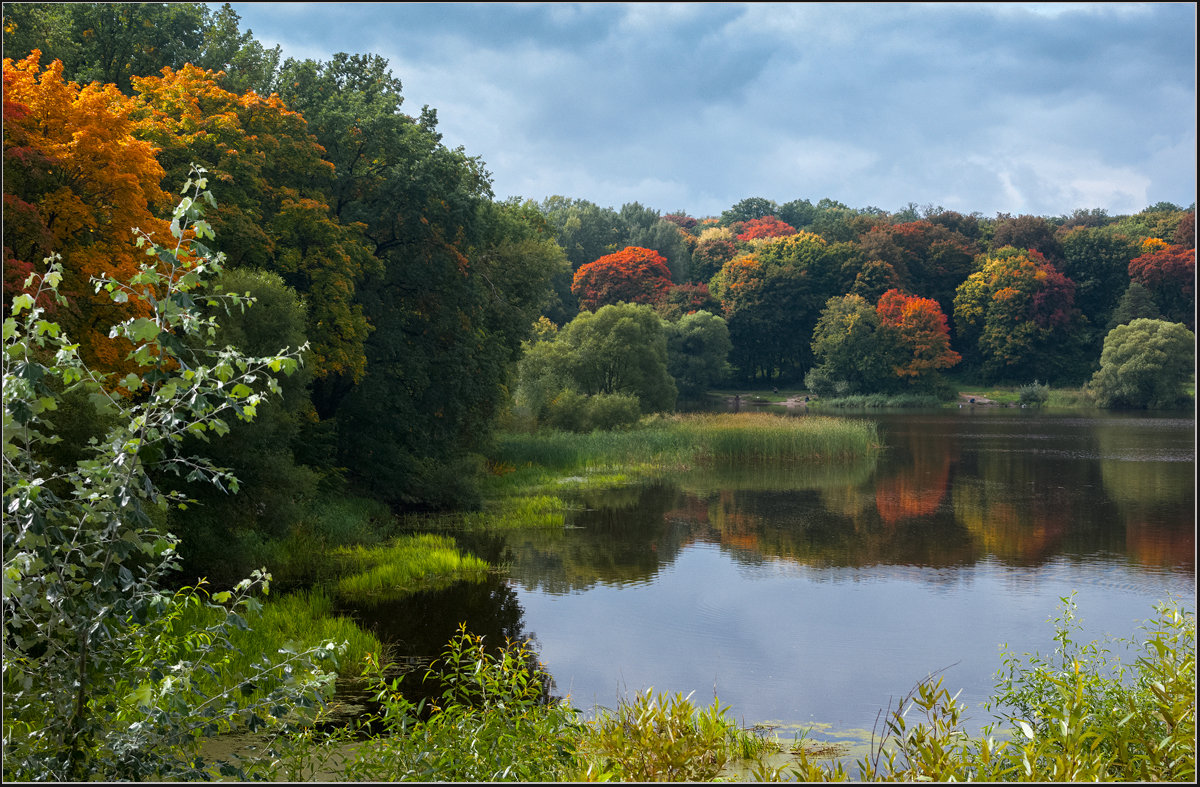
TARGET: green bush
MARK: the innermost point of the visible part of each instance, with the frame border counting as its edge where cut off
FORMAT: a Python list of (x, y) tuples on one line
[(1034, 394)]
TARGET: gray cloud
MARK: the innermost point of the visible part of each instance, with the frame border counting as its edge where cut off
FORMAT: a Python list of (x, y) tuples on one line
[(1038, 108)]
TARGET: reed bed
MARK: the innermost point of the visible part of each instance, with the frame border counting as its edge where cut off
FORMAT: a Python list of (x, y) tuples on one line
[(686, 441), (409, 563)]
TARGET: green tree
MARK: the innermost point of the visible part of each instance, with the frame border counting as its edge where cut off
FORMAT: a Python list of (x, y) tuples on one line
[(847, 345), (585, 230), (101, 680), (113, 42), (748, 209), (1136, 302), (621, 348), (217, 530), (697, 351), (1097, 260), (438, 359), (1145, 364)]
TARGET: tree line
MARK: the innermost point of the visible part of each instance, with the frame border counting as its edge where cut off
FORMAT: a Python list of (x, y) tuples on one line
[(429, 308)]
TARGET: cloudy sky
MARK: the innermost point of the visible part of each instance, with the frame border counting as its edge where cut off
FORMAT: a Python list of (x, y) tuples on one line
[(1039, 108)]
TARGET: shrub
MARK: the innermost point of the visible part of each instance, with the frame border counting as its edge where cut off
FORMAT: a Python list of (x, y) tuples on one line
[(1035, 393)]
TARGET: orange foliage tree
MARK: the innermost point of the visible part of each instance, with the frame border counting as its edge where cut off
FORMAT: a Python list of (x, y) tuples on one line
[(1169, 273), (274, 215), (633, 275), (920, 333), (766, 227), (76, 179)]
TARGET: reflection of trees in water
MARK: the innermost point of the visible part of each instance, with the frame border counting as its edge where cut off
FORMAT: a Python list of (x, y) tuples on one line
[(422, 623), (798, 527), (619, 544), (1017, 505), (916, 485), (1153, 488)]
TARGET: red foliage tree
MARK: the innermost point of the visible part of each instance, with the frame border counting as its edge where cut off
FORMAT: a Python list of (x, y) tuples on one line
[(633, 275), (920, 332), (1170, 275), (766, 227)]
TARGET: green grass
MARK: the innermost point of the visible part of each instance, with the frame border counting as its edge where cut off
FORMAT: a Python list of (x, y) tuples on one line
[(286, 624), (371, 574), (679, 442)]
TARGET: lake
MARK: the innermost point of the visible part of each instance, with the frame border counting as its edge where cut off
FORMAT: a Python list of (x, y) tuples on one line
[(814, 595)]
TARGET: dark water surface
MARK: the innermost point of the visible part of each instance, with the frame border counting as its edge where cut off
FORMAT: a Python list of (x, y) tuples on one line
[(813, 595)]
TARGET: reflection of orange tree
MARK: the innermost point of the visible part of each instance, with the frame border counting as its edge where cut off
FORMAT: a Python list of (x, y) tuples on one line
[(1152, 543), (919, 485)]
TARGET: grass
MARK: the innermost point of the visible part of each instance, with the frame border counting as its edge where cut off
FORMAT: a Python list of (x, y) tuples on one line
[(680, 442), (407, 564)]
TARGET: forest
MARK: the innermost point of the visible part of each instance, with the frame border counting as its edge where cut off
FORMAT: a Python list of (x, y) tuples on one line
[(420, 316)]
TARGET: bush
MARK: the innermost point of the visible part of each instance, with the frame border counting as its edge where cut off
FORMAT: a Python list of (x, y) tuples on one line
[(572, 411), (101, 680), (1034, 394)]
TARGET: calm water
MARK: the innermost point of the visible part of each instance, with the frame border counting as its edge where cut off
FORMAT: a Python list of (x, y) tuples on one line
[(813, 595)]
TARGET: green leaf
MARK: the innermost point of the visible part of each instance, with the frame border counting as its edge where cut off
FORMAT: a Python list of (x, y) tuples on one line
[(22, 301)]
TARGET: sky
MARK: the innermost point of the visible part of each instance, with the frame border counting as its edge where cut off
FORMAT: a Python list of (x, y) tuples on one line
[(1038, 109)]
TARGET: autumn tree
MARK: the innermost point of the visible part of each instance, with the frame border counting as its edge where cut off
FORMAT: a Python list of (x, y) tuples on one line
[(918, 335), (76, 179), (684, 299), (1169, 273), (1016, 314), (632, 275), (713, 249), (274, 212), (766, 227)]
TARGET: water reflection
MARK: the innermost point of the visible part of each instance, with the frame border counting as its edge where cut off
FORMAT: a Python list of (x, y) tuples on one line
[(948, 491), (816, 593)]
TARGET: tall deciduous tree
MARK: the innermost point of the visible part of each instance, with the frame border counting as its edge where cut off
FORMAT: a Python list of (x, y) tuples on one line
[(632, 275), (76, 179), (274, 215), (1017, 312), (1169, 273)]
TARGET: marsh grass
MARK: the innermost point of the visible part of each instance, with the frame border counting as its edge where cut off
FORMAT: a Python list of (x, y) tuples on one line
[(289, 623), (372, 574), (680, 442)]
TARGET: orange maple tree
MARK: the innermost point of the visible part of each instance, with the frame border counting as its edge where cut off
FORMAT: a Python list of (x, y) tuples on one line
[(77, 181), (633, 275), (920, 332)]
